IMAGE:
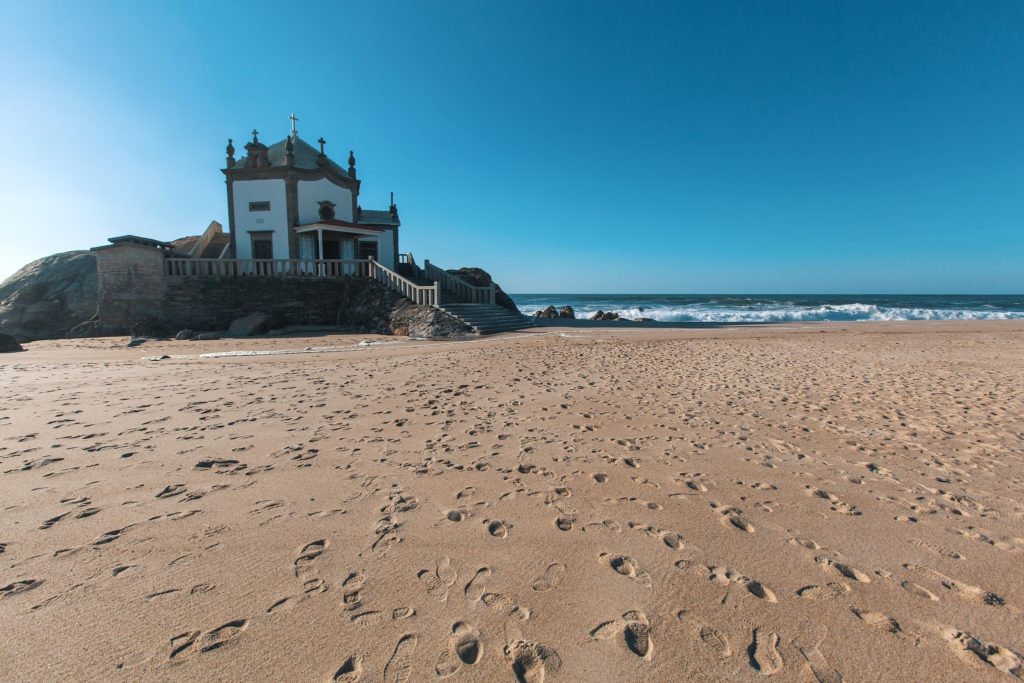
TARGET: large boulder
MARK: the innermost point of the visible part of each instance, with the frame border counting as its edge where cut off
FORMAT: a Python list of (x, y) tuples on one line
[(413, 320), (478, 277), (49, 297), (602, 315), (9, 344), (566, 312), (548, 312), (254, 323)]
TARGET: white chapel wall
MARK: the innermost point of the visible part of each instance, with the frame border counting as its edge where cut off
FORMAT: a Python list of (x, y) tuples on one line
[(311, 192), (246, 191), (386, 249)]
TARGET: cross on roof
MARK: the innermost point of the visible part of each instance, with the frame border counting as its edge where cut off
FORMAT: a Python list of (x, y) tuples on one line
[(294, 119), (254, 134), (322, 143)]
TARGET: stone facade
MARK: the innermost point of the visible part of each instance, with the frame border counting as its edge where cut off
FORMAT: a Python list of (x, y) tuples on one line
[(135, 297)]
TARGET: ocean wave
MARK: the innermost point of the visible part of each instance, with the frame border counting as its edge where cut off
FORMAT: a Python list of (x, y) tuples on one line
[(766, 313)]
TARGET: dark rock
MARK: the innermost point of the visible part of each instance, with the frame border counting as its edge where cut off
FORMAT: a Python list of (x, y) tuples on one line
[(548, 312), (9, 344), (597, 316), (413, 320), (254, 323), (184, 334), (136, 341), (478, 277), (206, 336), (566, 312), (601, 315), (49, 297)]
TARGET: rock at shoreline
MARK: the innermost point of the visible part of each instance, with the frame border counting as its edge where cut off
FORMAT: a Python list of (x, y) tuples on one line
[(601, 315), (9, 344), (184, 334), (49, 297), (548, 312), (552, 312), (206, 336)]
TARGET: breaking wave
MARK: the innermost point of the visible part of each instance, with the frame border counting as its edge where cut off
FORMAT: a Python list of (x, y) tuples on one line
[(777, 309)]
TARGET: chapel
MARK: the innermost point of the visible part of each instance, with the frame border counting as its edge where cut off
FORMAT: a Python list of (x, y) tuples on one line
[(290, 200)]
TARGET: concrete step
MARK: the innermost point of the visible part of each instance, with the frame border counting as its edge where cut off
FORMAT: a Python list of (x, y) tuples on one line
[(487, 318)]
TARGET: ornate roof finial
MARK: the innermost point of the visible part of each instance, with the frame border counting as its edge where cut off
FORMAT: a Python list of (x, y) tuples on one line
[(394, 207), (231, 153), (322, 143), (289, 152), (255, 133), (294, 119), (351, 163)]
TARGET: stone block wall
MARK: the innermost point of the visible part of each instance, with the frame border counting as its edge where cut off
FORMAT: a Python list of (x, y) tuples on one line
[(130, 280)]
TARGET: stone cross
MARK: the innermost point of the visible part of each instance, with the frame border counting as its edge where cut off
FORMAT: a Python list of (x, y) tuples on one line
[(254, 134), (294, 119), (322, 143)]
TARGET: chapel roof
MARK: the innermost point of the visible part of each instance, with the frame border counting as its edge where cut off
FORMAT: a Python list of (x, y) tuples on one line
[(306, 156), (374, 217)]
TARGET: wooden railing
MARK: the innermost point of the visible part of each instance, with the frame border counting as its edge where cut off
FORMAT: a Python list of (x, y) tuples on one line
[(425, 295), (212, 267), (470, 294)]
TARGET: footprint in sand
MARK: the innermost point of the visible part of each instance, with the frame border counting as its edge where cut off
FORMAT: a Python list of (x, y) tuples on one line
[(196, 642), (844, 569), (505, 606), (727, 576), (733, 516), (829, 590), (635, 630), (309, 552), (399, 666), (969, 648), (351, 597), (19, 587), (464, 648), (624, 565), (531, 662), (882, 622), (497, 528), (716, 640), (764, 652), (439, 581), (474, 588), (351, 671), (565, 522), (551, 577)]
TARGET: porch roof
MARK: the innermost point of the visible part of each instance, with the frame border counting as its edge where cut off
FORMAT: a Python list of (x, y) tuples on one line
[(336, 225)]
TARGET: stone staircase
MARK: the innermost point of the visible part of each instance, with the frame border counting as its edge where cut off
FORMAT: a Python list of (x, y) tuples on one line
[(487, 318)]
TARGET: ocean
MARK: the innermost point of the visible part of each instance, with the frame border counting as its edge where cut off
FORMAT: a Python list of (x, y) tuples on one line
[(737, 308)]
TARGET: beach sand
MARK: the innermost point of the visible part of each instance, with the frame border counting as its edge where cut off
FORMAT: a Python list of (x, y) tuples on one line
[(803, 502)]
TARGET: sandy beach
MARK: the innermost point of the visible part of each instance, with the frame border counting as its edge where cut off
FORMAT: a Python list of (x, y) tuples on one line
[(815, 502)]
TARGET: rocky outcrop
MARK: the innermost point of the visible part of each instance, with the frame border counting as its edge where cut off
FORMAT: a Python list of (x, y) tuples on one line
[(49, 297), (478, 277), (552, 312), (548, 312), (9, 344), (412, 320), (601, 315)]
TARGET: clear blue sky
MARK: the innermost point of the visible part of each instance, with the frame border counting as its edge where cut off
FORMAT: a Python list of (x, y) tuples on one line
[(718, 146)]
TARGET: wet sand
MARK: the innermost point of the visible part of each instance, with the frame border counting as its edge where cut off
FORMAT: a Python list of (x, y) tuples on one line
[(803, 502)]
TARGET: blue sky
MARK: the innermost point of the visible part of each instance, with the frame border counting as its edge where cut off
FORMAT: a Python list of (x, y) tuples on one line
[(725, 146)]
